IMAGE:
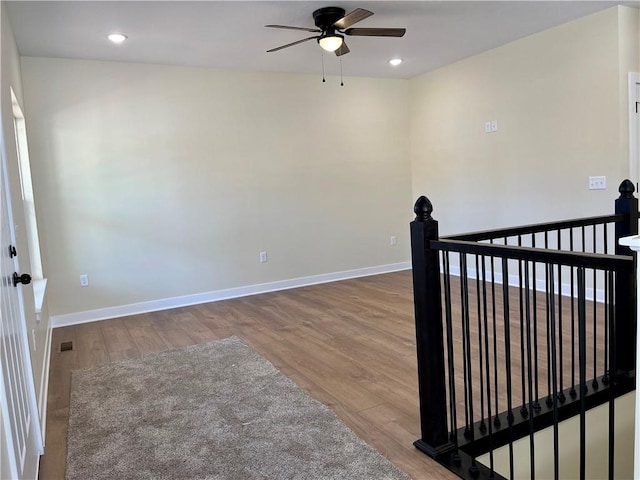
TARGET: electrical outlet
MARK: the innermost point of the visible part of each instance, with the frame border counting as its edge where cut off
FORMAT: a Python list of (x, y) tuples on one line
[(393, 241), (84, 280), (598, 183), (494, 125), (263, 257), (487, 127)]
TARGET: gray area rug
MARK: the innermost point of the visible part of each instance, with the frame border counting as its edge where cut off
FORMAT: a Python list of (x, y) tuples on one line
[(210, 411)]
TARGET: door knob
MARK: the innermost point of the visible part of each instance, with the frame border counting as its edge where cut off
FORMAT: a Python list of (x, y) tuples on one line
[(24, 279)]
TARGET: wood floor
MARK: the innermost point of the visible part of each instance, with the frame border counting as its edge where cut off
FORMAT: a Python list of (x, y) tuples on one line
[(349, 344)]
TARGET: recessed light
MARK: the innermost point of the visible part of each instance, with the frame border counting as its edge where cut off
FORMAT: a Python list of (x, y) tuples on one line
[(117, 37), (395, 61)]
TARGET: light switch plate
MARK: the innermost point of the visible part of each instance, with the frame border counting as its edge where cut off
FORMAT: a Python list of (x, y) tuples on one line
[(598, 183)]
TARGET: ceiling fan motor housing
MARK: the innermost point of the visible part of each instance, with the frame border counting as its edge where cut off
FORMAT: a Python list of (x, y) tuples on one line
[(329, 20), (324, 18)]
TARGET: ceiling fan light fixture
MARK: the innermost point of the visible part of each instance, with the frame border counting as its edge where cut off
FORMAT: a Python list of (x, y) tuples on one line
[(117, 38), (331, 43), (395, 61)]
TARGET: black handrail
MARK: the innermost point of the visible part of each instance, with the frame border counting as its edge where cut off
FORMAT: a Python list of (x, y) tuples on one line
[(570, 259), (535, 228)]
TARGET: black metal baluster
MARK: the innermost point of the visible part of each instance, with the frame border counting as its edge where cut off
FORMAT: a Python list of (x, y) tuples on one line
[(450, 353), (536, 402), (607, 287), (582, 354), (487, 367), (466, 345), (548, 284), (554, 374), (607, 319), (573, 392), (483, 426), (529, 371), (560, 392), (496, 420), (524, 411), (612, 387), (595, 319), (507, 347)]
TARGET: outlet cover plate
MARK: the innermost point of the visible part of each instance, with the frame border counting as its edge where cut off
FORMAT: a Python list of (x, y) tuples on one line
[(598, 183)]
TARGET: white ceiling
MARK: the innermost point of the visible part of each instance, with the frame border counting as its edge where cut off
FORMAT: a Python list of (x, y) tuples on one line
[(231, 34)]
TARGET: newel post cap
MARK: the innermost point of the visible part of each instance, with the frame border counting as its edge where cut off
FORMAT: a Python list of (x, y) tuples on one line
[(423, 209), (626, 189)]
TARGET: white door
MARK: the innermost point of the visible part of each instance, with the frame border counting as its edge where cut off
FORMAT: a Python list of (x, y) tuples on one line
[(21, 436)]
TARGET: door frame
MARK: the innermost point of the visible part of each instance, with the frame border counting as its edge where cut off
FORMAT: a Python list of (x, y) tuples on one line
[(634, 128), (634, 169)]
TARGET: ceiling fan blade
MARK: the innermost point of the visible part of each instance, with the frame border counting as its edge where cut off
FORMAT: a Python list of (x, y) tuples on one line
[(376, 32), (286, 27), (352, 18), (343, 50), (292, 44)]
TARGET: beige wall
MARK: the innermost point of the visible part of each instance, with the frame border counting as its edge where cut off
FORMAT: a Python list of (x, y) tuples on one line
[(11, 79), (560, 101), (162, 181)]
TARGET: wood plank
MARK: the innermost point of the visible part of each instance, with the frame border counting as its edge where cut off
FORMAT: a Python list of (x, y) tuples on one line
[(90, 345), (53, 463), (198, 332), (147, 340), (124, 354), (116, 337)]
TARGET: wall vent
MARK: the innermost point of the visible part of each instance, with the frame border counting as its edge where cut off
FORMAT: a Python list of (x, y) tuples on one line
[(66, 346)]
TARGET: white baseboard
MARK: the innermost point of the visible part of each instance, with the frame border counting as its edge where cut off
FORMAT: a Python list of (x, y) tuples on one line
[(184, 301), (44, 384)]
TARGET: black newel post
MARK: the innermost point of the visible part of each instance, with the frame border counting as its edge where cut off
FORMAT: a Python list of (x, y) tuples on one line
[(429, 338), (625, 289)]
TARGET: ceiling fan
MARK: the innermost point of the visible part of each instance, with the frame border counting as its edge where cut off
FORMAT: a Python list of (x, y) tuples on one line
[(333, 24)]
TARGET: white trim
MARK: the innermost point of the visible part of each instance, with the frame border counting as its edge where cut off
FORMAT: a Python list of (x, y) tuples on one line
[(44, 383), (44, 390), (39, 288), (206, 297), (634, 128)]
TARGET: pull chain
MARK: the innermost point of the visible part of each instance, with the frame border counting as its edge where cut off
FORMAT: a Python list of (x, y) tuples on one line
[(322, 55), (341, 82)]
